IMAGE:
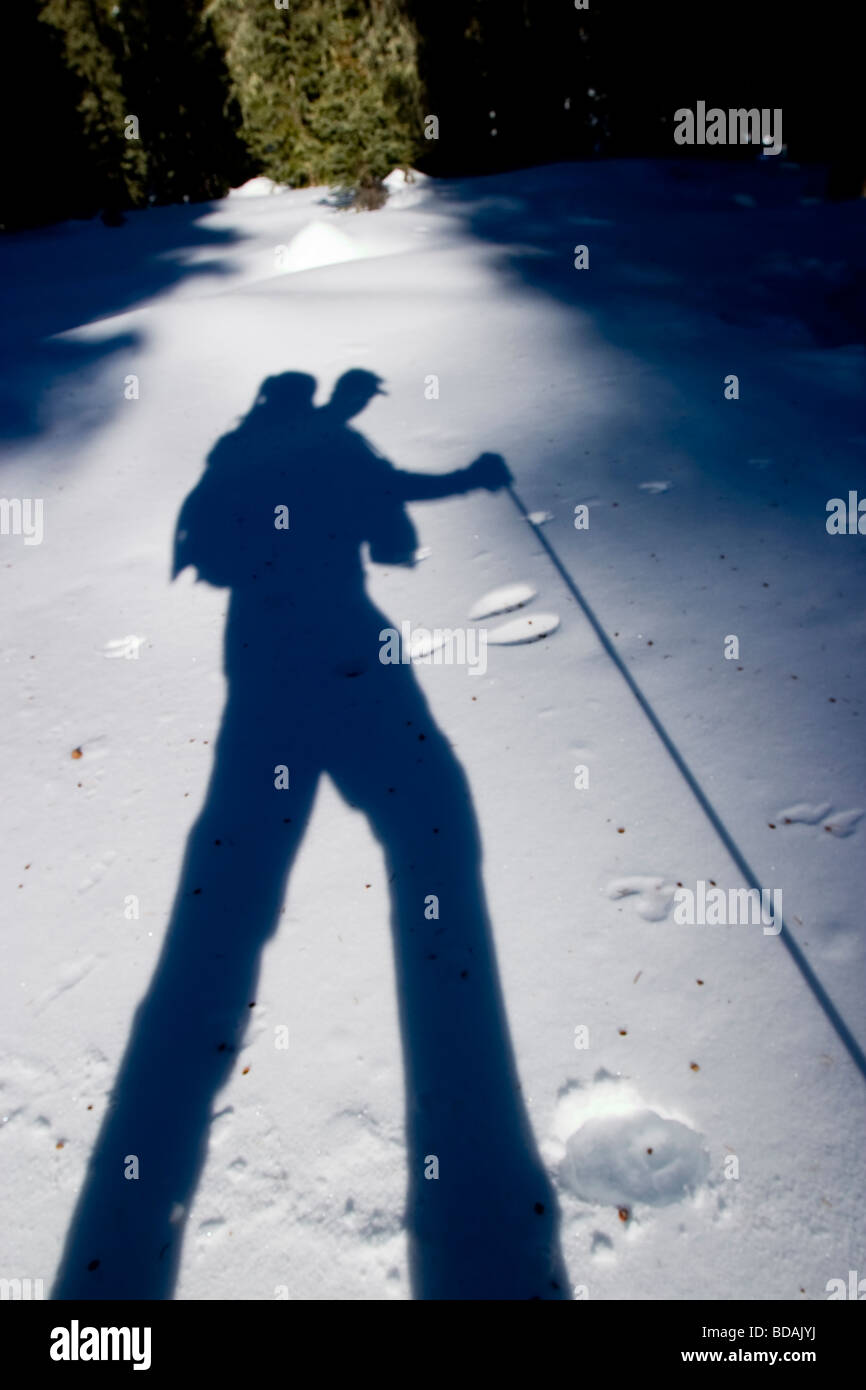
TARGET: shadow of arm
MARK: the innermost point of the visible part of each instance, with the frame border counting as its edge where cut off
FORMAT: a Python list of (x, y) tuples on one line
[(488, 471)]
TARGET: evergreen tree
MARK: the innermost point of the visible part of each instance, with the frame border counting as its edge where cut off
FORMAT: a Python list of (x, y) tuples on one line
[(118, 166), (175, 83), (329, 89), (337, 91), (47, 173)]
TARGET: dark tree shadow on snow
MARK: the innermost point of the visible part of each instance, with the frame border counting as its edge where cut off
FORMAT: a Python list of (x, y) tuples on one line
[(58, 278), (696, 269)]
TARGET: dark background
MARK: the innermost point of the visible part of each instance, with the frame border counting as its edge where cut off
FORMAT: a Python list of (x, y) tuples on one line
[(336, 92)]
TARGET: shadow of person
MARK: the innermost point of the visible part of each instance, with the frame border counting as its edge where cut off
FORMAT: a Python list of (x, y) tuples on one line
[(307, 692)]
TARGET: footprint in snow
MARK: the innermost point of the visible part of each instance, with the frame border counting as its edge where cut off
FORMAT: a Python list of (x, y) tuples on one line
[(654, 896), (842, 823), (803, 813), (98, 871), (837, 940), (68, 976), (838, 823), (208, 1227)]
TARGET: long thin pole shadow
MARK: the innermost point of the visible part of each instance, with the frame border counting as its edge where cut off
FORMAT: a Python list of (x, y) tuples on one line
[(837, 1022)]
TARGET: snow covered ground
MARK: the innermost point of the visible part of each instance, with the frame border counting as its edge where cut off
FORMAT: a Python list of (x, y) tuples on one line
[(651, 1053)]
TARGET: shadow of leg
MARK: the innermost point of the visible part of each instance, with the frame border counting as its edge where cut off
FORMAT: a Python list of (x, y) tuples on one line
[(486, 1226), (125, 1238)]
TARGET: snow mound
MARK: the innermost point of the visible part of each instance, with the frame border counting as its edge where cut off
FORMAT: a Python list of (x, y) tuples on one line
[(405, 187), (503, 600), (404, 178), (523, 630), (638, 1157), (316, 245), (259, 187)]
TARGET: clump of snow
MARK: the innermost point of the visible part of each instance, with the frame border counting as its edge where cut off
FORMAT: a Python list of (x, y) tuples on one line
[(519, 630), (403, 178), (405, 188), (637, 1157), (502, 600)]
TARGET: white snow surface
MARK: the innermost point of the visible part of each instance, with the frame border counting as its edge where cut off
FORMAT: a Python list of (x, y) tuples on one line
[(700, 1042)]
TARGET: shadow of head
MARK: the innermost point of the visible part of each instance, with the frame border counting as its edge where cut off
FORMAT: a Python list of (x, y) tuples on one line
[(286, 392), (353, 393)]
